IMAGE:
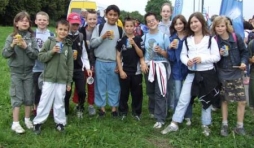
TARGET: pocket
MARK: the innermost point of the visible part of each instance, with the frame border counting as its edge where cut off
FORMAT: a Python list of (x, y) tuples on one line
[(13, 91)]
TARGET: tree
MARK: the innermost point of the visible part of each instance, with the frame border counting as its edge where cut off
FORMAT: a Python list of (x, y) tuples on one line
[(134, 15), (155, 6), (3, 4)]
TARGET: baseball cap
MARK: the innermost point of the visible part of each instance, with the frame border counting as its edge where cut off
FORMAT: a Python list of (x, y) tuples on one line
[(74, 18)]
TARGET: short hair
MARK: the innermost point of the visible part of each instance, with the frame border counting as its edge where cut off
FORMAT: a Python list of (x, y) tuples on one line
[(219, 20), (202, 20), (182, 19), (92, 11), (83, 10), (62, 22), (128, 19), (150, 14), (114, 8), (42, 13), (213, 17)]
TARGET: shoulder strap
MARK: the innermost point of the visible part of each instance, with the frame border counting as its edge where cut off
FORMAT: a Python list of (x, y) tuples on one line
[(186, 44), (100, 28), (209, 42), (234, 36), (120, 31)]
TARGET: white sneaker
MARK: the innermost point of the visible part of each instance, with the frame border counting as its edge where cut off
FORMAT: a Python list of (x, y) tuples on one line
[(18, 129), (91, 110), (188, 121), (80, 114), (206, 130), (170, 128), (151, 116), (158, 125), (29, 124)]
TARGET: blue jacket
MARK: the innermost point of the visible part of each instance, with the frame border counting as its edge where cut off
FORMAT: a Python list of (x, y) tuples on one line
[(238, 52), (179, 70)]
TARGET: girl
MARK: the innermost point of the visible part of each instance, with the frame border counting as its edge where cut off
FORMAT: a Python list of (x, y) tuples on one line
[(21, 50), (179, 70), (201, 80), (234, 57), (164, 24), (128, 56)]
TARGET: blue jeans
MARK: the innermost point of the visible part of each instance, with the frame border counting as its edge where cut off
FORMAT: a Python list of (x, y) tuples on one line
[(106, 84), (177, 92), (184, 101)]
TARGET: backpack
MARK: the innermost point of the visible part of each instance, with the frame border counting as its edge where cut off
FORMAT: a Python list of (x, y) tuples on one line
[(120, 30)]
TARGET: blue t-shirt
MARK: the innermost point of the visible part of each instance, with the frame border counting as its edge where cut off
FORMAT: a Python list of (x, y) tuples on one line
[(151, 40)]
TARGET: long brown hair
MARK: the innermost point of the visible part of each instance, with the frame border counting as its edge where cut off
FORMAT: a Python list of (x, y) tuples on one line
[(21, 15), (201, 19), (172, 26)]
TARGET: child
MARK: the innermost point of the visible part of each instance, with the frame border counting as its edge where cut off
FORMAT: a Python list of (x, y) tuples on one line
[(164, 26), (155, 61), (106, 80), (87, 33), (251, 85), (179, 70), (234, 58), (57, 56), (201, 80), (21, 50), (41, 34), (128, 55), (80, 63)]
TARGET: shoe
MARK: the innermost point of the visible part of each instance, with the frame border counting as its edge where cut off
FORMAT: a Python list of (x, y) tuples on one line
[(123, 117), (101, 113), (206, 130), (188, 121), (60, 127), (151, 116), (80, 114), (114, 114), (18, 129), (29, 124), (170, 128), (239, 131), (224, 130), (158, 125), (91, 110), (137, 117), (37, 129)]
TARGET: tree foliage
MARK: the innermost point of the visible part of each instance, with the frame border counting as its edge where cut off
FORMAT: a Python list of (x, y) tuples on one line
[(155, 6), (134, 15)]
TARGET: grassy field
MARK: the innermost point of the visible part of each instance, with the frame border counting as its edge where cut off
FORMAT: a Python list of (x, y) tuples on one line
[(93, 132)]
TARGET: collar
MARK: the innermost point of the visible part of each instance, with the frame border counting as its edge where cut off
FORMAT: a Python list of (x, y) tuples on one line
[(76, 33)]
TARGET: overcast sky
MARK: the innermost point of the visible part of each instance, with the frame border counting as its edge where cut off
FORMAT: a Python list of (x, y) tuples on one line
[(212, 6)]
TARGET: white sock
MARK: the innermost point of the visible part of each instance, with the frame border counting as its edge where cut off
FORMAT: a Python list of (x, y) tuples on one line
[(225, 122), (239, 124), (27, 119), (15, 123), (173, 125)]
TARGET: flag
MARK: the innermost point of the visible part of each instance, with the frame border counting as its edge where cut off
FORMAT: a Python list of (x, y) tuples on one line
[(177, 8), (206, 16), (234, 10)]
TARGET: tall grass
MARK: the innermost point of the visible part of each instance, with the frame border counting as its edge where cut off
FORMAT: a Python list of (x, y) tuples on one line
[(108, 132)]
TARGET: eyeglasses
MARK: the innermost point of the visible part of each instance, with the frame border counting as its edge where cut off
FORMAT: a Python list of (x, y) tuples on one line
[(151, 21)]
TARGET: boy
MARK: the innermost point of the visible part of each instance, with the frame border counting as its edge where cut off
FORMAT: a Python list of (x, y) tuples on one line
[(41, 35), (128, 55), (80, 62), (156, 44), (57, 56), (87, 33), (106, 80)]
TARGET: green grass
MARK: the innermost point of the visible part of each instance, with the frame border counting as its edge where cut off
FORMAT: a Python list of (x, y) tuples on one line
[(93, 132)]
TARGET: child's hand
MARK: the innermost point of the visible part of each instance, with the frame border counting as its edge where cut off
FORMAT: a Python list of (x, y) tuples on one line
[(116, 70), (23, 44), (252, 59), (196, 60), (157, 49), (89, 72), (144, 68), (172, 45), (242, 66), (123, 75), (14, 42), (190, 63), (132, 42), (107, 34), (56, 49), (68, 88), (222, 51)]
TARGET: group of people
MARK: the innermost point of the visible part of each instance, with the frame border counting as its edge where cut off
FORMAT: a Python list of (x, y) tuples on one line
[(180, 60)]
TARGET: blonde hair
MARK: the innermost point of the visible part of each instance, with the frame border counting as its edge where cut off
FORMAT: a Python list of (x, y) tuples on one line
[(221, 19), (42, 13)]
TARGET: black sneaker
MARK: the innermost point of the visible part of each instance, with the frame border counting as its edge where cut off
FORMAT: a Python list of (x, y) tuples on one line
[(60, 127), (114, 114), (37, 129), (101, 113)]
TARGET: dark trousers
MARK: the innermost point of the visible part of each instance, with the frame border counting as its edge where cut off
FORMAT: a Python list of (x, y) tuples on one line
[(133, 84), (36, 90), (79, 79)]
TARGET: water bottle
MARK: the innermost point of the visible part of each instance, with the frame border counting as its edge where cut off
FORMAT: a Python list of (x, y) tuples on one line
[(225, 49)]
